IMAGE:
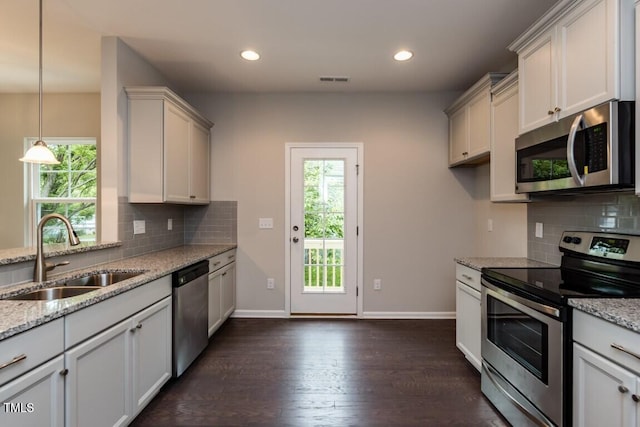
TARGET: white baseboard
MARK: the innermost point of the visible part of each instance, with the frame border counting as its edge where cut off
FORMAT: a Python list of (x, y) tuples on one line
[(409, 315), (280, 314), (275, 314)]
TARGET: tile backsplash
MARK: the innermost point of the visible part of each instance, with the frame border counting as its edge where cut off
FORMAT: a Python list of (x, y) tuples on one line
[(611, 212)]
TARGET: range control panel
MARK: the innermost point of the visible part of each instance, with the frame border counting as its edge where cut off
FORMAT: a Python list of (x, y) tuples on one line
[(606, 245)]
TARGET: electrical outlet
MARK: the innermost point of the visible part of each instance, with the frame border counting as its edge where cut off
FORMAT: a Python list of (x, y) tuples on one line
[(271, 283), (539, 230), (170, 224), (265, 222), (377, 284), (139, 227), (489, 224)]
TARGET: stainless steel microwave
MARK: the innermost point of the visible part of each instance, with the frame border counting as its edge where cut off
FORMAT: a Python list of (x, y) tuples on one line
[(592, 150)]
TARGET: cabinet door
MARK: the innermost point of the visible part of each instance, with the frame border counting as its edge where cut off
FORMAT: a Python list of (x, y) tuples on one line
[(35, 398), (151, 360), (458, 136), (228, 290), (215, 303), (504, 130), (602, 391), (177, 129), (537, 82), (199, 164), (468, 323), (587, 40), (480, 124), (97, 388)]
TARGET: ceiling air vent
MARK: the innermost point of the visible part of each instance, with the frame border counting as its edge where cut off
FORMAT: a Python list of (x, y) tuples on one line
[(336, 79)]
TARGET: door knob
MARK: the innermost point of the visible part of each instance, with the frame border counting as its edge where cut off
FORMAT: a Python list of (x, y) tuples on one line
[(295, 240)]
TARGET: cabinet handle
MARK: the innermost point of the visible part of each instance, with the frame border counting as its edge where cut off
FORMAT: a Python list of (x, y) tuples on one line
[(466, 276), (224, 274), (192, 197), (550, 112), (13, 361), (138, 326), (464, 153), (635, 398), (624, 350), (215, 264), (557, 110), (622, 389), (64, 372), (231, 257)]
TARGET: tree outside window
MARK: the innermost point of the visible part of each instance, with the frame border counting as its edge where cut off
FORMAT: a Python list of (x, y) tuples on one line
[(68, 189)]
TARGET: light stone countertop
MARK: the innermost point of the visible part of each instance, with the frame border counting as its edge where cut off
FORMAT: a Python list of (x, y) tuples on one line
[(624, 312), (478, 263), (12, 256), (19, 316)]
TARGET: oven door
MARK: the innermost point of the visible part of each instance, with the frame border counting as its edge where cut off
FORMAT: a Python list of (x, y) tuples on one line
[(522, 352)]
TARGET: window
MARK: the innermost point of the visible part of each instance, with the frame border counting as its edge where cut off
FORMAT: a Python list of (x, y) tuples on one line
[(69, 189)]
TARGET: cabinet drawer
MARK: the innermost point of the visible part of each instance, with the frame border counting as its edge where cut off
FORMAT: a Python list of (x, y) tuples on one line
[(220, 260), (36, 345), (601, 335), (468, 276)]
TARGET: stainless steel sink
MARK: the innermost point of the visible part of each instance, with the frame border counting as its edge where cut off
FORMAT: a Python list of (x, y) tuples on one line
[(101, 279), (58, 292)]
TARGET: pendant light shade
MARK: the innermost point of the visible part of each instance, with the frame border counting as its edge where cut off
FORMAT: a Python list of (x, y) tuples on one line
[(39, 152)]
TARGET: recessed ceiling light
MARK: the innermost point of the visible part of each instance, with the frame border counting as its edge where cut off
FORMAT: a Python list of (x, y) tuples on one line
[(250, 55), (403, 55)]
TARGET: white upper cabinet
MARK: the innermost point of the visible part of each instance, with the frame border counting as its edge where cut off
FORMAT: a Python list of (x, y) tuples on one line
[(504, 130), (168, 148), (580, 54), (470, 123)]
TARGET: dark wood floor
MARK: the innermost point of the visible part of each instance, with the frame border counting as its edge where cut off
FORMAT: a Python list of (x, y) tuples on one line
[(277, 372)]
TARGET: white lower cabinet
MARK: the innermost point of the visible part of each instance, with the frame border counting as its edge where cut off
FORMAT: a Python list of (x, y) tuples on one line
[(113, 375), (222, 289), (35, 399), (97, 387), (603, 391), (606, 373), (151, 360), (468, 314)]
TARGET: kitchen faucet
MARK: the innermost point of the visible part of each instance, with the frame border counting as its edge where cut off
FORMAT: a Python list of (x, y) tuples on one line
[(41, 267)]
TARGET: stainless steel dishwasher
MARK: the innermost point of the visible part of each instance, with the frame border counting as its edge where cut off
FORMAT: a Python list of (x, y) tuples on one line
[(190, 311)]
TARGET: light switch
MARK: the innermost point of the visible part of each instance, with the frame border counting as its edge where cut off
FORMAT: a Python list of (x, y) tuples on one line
[(265, 222), (139, 226)]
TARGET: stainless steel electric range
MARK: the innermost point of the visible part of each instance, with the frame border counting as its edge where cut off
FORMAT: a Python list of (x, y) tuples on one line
[(526, 323)]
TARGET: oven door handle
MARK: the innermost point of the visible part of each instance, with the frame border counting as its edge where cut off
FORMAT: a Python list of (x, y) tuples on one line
[(516, 301), (571, 158), (491, 374)]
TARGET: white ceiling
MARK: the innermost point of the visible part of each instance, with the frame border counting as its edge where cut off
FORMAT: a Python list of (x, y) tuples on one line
[(196, 43)]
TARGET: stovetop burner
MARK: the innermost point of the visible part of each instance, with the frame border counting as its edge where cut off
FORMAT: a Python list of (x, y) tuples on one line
[(594, 265)]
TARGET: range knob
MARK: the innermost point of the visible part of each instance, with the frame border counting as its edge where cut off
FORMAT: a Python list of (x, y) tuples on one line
[(567, 239), (576, 240)]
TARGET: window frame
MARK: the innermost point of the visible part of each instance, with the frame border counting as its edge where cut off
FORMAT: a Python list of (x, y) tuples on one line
[(32, 181)]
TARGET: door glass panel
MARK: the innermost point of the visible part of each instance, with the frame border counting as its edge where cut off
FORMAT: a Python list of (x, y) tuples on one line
[(324, 225), (520, 336)]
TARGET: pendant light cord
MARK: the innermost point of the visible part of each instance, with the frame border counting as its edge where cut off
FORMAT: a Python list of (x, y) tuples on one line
[(40, 75)]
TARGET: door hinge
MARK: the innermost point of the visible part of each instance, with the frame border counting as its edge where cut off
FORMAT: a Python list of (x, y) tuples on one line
[(357, 291), (357, 169), (357, 230)]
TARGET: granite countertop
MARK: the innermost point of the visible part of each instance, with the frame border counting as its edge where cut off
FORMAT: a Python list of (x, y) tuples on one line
[(478, 263), (19, 316), (624, 312)]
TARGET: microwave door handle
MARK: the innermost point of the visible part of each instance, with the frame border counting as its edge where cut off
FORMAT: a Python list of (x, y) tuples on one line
[(571, 159)]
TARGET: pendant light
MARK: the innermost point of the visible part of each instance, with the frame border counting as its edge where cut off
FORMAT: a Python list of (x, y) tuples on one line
[(39, 152)]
